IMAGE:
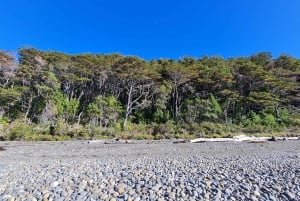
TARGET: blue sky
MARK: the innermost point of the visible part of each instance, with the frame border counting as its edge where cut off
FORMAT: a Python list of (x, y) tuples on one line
[(153, 29)]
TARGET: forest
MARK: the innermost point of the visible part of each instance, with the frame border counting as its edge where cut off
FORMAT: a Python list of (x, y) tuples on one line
[(47, 95)]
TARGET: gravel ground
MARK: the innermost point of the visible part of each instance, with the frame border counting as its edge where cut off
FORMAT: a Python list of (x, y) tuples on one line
[(150, 170)]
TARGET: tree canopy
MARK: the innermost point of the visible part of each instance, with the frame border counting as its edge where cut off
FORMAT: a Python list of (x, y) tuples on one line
[(118, 93)]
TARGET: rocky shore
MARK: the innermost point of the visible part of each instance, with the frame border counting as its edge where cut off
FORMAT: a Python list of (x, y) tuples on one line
[(150, 170)]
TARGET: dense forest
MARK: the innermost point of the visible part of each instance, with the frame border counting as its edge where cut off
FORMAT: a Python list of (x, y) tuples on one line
[(46, 95)]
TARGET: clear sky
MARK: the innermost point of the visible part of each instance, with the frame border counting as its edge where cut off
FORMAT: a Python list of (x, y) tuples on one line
[(153, 29)]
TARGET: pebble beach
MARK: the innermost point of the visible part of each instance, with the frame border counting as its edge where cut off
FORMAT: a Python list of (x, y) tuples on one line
[(150, 170)]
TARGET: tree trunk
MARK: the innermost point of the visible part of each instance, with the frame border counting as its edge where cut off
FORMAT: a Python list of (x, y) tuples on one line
[(128, 106)]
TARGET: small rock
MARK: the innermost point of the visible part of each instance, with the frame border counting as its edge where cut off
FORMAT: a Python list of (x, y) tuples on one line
[(103, 197), (290, 195), (276, 188), (239, 178), (131, 192), (121, 191), (54, 184), (253, 198), (155, 188), (256, 193), (244, 186), (115, 194), (172, 196), (272, 198), (82, 185), (137, 199)]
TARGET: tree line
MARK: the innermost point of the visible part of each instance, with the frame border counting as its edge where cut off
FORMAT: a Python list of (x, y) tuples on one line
[(46, 93)]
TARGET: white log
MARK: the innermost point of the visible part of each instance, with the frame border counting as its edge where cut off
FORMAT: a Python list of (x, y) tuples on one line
[(241, 138)]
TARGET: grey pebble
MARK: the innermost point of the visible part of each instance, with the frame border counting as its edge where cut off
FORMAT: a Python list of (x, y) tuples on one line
[(149, 171)]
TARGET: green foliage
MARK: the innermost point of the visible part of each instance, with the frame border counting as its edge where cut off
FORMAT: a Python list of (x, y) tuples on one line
[(262, 58), (164, 131), (209, 129), (3, 126), (47, 137), (60, 101), (138, 132), (288, 117), (161, 113), (104, 111), (255, 118), (215, 105), (70, 108), (90, 95), (269, 120), (18, 130)]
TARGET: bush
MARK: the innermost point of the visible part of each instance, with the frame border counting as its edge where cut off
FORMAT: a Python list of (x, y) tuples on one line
[(18, 130), (47, 137), (254, 129), (72, 131), (164, 131), (108, 132), (210, 129), (3, 125), (142, 137), (269, 120), (137, 132), (77, 131), (193, 129)]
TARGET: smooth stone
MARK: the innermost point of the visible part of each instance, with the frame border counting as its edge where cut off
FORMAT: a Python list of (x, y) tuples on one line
[(253, 198), (54, 184), (121, 190), (244, 186), (131, 192), (137, 199), (239, 178), (82, 185), (272, 198), (115, 194), (290, 195), (103, 197), (276, 188)]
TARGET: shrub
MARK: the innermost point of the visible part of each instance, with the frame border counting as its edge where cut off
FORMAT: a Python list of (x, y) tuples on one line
[(254, 129), (3, 126), (269, 120), (72, 131), (18, 130), (143, 137), (210, 129), (108, 132), (193, 129), (164, 131)]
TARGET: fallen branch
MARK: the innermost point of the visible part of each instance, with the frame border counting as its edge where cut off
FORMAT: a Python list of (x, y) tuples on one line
[(243, 138)]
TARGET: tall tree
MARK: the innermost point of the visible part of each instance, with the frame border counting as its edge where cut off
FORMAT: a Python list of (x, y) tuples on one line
[(9, 95), (179, 76), (135, 77)]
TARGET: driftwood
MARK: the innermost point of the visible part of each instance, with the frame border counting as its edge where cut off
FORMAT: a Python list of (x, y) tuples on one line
[(180, 141), (243, 138), (288, 138), (119, 141)]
